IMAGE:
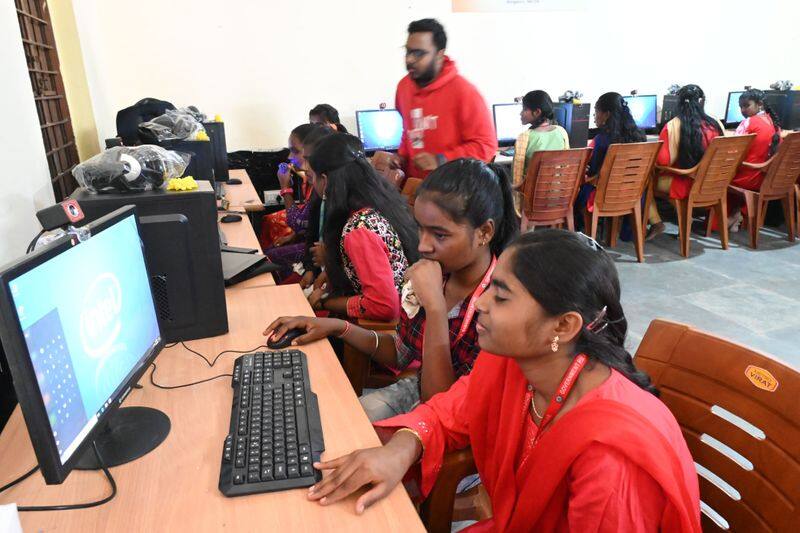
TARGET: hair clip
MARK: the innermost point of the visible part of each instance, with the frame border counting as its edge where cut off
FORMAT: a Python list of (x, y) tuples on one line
[(600, 316), (591, 243)]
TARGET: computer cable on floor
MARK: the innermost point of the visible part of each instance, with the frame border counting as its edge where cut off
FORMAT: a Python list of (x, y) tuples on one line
[(72, 506)]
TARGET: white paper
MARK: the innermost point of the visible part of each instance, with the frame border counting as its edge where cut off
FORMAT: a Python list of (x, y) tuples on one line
[(9, 519)]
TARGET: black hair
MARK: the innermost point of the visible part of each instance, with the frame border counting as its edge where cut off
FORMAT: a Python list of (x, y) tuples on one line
[(328, 114), (760, 97), (693, 117), (433, 26), (318, 132), (542, 101), (353, 184), (620, 126), (565, 271), (302, 130), (471, 190)]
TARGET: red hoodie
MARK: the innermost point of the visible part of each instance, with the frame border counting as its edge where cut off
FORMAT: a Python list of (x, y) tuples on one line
[(449, 117)]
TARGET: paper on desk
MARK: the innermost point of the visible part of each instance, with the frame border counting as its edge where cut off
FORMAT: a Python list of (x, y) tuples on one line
[(9, 519)]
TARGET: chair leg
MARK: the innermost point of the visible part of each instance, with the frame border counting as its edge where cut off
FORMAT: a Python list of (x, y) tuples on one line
[(709, 223), (788, 214), (595, 223), (649, 198), (523, 223), (587, 221), (754, 208), (638, 232), (570, 221), (723, 221), (797, 213), (612, 239), (683, 230)]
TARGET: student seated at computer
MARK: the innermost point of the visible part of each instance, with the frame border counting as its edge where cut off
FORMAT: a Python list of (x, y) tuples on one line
[(462, 229), (369, 234), (286, 229), (566, 433), (543, 134), (328, 115), (615, 125), (686, 138)]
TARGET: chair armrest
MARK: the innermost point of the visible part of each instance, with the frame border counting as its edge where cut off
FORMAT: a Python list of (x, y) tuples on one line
[(437, 509), (376, 325), (679, 171), (759, 166), (356, 364)]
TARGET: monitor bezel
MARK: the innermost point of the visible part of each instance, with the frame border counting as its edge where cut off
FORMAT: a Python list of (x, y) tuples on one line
[(655, 98), (383, 148), (503, 142), (21, 366), (727, 108)]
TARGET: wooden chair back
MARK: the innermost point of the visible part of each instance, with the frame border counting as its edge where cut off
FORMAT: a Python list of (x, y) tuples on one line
[(739, 413), (381, 161), (717, 169), (624, 175), (410, 189), (784, 171), (551, 185)]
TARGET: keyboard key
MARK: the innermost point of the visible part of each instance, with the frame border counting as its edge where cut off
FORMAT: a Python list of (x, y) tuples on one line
[(280, 472), (253, 477), (293, 471), (266, 473), (238, 479), (304, 449), (305, 470)]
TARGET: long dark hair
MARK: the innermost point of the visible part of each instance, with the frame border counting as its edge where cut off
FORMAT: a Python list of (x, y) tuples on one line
[(354, 184), (693, 117), (566, 271), (539, 100), (328, 114), (760, 97), (620, 126), (474, 191)]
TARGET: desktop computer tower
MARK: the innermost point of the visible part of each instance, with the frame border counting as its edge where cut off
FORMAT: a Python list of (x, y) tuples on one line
[(216, 132), (8, 399), (182, 250), (669, 109), (201, 165), (787, 105), (575, 121)]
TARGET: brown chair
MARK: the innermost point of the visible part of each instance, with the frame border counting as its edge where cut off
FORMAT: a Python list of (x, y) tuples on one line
[(410, 189), (551, 185), (360, 369), (382, 162), (711, 176), (797, 199), (621, 184), (781, 174), (740, 416)]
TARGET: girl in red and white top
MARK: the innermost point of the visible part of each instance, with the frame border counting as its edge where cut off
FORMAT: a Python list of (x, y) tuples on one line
[(762, 120), (369, 234), (686, 138)]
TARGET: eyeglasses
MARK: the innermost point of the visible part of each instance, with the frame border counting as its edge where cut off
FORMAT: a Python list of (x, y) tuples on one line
[(416, 54)]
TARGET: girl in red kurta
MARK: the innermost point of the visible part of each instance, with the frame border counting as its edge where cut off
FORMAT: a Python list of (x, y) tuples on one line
[(686, 138), (566, 433), (762, 120), (369, 235)]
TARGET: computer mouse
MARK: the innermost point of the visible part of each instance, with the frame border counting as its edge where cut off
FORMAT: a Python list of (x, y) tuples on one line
[(286, 340), (230, 218), (234, 181)]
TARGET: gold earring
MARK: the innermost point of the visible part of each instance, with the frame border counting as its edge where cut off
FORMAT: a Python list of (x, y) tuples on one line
[(554, 344)]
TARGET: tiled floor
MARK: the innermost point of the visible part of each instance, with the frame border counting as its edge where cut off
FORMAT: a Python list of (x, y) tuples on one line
[(749, 296)]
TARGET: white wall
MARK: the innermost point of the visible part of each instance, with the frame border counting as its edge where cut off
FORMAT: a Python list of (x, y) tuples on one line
[(263, 64), (24, 177)]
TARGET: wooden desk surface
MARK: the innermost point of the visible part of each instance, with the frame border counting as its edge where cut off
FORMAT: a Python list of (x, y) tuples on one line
[(244, 195), (241, 234), (174, 487)]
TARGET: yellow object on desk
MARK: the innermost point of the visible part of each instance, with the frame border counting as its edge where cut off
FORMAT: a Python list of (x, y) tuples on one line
[(186, 183), (202, 136)]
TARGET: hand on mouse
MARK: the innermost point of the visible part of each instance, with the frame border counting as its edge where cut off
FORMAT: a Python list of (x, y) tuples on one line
[(316, 328)]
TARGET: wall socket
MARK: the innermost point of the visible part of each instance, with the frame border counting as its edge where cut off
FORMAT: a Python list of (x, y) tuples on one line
[(273, 197)]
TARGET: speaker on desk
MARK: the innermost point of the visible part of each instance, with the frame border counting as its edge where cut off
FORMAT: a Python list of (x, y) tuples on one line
[(216, 132)]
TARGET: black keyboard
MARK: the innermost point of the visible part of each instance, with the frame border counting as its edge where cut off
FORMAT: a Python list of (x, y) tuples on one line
[(275, 433)]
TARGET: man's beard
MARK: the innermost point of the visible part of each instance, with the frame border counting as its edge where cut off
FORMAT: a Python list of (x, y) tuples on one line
[(427, 77)]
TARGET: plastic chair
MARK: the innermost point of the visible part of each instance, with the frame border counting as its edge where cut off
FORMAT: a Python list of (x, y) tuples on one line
[(410, 189), (740, 416), (551, 185), (781, 174), (621, 184), (712, 176)]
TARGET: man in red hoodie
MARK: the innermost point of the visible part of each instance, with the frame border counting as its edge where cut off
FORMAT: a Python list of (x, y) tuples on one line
[(444, 115)]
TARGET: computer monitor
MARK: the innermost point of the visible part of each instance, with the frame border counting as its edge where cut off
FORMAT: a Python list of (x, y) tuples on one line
[(79, 329), (507, 123), (733, 113), (643, 109), (380, 129)]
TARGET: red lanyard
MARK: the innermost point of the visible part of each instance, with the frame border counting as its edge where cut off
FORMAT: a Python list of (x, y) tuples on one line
[(479, 290), (567, 382)]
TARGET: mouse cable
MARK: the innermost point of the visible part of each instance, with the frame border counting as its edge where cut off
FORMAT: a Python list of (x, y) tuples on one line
[(220, 354), (170, 387)]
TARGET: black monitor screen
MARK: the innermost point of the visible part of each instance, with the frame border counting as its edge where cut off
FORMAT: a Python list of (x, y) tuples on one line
[(89, 323), (643, 109)]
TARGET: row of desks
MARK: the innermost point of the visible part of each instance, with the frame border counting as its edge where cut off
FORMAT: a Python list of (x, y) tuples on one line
[(174, 487)]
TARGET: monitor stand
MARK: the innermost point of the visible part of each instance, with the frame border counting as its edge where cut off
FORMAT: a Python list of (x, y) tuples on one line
[(130, 433)]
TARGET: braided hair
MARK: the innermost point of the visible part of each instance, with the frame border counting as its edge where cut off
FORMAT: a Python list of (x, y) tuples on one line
[(693, 117), (620, 126), (539, 100), (569, 272), (760, 98)]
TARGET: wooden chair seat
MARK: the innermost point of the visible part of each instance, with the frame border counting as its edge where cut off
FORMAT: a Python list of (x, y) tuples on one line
[(551, 185), (621, 184), (711, 178), (781, 174), (740, 416)]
